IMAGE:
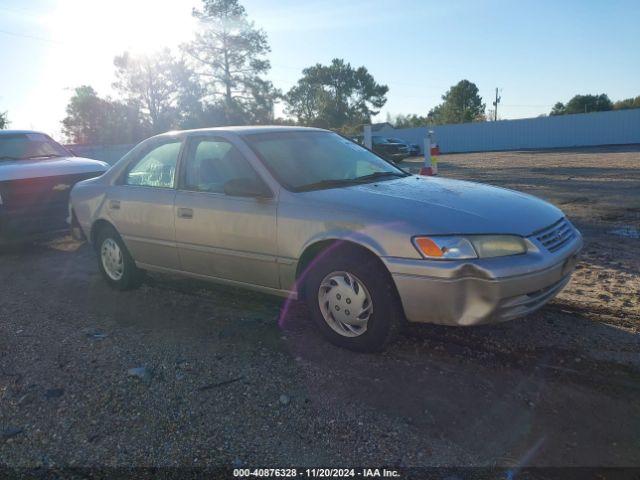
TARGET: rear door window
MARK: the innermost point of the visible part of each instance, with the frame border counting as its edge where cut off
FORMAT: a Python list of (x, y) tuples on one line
[(212, 162)]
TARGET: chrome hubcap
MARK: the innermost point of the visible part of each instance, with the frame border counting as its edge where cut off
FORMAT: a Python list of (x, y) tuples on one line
[(345, 303), (112, 260)]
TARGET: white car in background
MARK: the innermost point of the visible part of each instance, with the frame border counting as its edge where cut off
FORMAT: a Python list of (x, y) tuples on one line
[(36, 176)]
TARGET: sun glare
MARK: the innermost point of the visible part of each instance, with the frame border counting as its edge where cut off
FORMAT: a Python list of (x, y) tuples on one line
[(140, 26), (87, 34)]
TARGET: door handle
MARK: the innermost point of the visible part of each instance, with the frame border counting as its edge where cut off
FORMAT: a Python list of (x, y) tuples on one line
[(114, 204), (185, 213)]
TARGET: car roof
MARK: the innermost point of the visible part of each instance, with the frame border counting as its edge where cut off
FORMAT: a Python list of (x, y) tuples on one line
[(245, 129), (13, 132)]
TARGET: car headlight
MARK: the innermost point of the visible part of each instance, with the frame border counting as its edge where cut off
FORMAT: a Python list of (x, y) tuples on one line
[(489, 246), (471, 246)]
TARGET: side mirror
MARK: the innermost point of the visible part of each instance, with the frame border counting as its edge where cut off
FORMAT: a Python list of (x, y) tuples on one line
[(246, 187)]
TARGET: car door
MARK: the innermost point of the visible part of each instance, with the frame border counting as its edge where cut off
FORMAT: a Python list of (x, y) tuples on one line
[(141, 204), (231, 237)]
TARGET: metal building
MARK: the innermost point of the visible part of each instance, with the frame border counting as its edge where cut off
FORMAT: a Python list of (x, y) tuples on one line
[(616, 127)]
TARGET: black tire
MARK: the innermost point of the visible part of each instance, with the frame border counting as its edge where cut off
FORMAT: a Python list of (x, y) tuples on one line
[(387, 317), (132, 277)]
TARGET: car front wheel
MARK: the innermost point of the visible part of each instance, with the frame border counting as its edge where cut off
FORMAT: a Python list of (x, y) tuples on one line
[(115, 261), (352, 300)]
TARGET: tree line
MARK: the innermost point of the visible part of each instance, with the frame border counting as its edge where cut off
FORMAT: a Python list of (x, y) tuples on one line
[(593, 103)]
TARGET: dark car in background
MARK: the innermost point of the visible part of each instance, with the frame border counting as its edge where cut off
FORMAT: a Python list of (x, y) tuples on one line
[(392, 151), (36, 176), (414, 148)]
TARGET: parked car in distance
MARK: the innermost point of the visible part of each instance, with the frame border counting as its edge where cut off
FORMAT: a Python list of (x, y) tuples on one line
[(36, 176), (413, 148), (305, 213), (393, 151)]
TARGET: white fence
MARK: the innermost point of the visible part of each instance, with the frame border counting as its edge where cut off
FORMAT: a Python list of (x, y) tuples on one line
[(617, 127)]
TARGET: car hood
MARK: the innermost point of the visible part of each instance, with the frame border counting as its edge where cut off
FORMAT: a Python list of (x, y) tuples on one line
[(50, 167), (435, 205)]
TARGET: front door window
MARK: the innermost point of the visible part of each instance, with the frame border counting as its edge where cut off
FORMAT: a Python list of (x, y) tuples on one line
[(157, 168)]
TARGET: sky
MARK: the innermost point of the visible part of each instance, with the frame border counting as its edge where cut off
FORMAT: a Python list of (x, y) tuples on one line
[(537, 52)]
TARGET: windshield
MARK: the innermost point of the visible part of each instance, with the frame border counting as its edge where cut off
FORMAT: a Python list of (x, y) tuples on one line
[(314, 159), (23, 146)]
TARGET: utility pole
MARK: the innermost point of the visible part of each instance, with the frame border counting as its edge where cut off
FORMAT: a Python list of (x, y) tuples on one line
[(495, 104)]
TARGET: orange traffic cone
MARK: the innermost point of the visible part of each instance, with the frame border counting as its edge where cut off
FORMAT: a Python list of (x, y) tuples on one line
[(430, 167)]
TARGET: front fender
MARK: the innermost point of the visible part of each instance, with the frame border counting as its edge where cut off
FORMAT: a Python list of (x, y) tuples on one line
[(87, 204), (304, 224)]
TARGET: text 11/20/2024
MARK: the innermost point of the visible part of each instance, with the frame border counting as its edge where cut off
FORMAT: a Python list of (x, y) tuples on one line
[(316, 472)]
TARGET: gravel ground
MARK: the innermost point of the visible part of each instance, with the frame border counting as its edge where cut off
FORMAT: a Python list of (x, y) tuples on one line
[(183, 373)]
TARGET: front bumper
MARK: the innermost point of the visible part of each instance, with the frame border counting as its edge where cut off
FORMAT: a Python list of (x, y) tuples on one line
[(31, 221), (482, 291)]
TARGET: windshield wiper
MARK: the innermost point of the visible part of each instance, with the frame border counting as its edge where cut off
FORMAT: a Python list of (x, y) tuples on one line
[(378, 175), (336, 182), (30, 157), (341, 182), (48, 155)]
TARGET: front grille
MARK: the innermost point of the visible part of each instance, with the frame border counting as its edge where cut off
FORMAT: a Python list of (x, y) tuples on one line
[(34, 205), (554, 237), (40, 191)]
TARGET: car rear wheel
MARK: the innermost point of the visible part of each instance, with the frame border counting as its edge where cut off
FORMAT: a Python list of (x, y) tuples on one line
[(352, 300), (115, 261)]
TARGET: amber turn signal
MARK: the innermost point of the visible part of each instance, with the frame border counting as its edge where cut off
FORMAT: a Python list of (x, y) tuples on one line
[(428, 247)]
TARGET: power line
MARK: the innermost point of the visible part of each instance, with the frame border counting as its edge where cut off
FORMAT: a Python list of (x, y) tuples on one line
[(21, 12), (32, 37), (523, 105)]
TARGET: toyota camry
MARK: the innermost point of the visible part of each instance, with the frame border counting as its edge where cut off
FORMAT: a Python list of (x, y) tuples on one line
[(306, 213)]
